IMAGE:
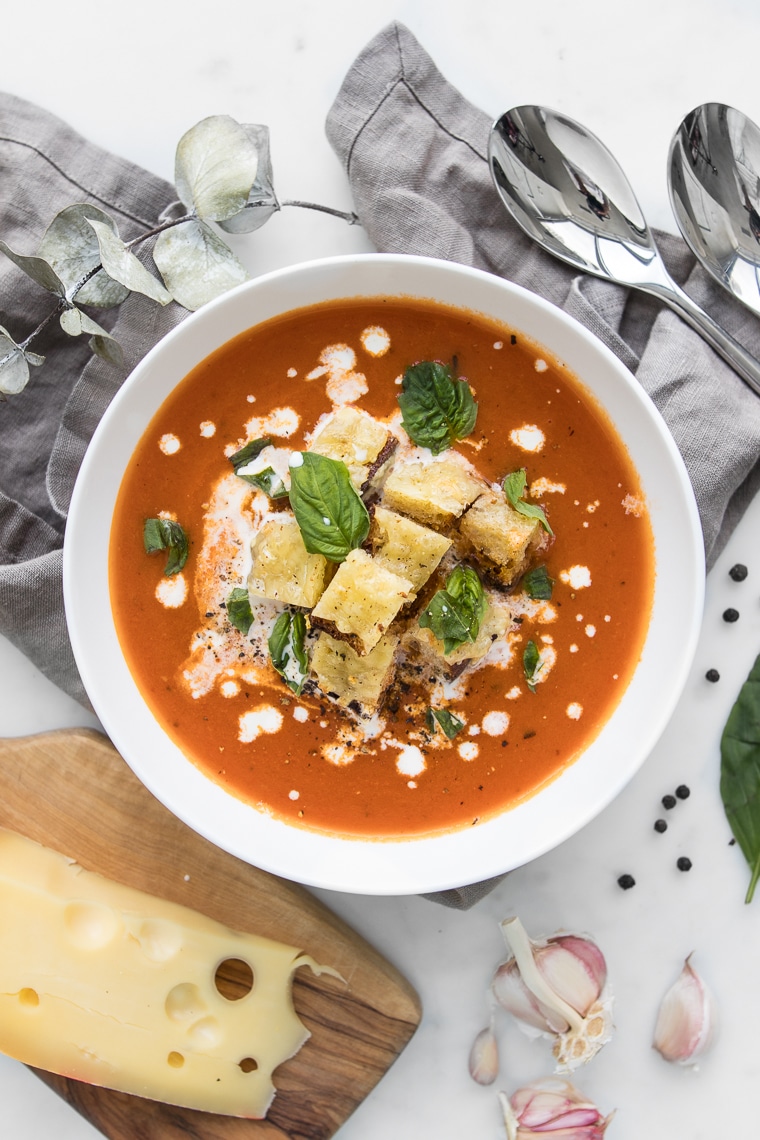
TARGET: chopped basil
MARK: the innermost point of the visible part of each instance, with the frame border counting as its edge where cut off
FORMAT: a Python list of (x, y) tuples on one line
[(287, 649), (333, 519), (166, 534), (450, 725), (247, 454), (537, 584), (514, 488), (740, 773), (267, 481), (454, 614), (239, 609), (531, 664), (436, 409)]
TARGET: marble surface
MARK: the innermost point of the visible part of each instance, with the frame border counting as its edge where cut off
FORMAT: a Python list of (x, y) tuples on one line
[(134, 81)]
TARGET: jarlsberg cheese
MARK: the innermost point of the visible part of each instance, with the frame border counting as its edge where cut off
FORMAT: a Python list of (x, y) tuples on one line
[(109, 985)]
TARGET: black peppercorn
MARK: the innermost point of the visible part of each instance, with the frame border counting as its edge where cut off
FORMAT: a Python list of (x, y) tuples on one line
[(683, 791), (683, 863), (626, 882), (668, 802), (712, 675), (738, 572), (730, 614), (660, 825)]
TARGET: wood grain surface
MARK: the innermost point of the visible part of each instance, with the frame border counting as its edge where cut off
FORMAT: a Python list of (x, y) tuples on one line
[(71, 791)]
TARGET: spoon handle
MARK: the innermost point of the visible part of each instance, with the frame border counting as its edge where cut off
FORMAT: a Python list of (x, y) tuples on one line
[(742, 362)]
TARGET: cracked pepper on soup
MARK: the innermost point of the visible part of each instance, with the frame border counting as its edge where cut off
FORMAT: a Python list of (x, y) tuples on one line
[(381, 567)]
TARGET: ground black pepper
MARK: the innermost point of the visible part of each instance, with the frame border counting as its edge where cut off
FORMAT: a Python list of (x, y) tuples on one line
[(712, 675), (683, 791), (668, 802), (738, 572), (683, 863), (660, 825), (626, 882), (730, 614)]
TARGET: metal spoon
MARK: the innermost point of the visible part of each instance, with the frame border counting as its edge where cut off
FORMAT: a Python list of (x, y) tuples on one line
[(714, 189), (568, 193)]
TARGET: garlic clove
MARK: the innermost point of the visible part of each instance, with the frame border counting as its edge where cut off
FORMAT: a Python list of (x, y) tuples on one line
[(552, 1108), (686, 1019), (575, 969), (484, 1057), (514, 996)]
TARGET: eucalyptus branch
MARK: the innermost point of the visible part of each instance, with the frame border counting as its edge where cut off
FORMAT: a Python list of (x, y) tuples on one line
[(159, 229), (25, 344), (350, 217)]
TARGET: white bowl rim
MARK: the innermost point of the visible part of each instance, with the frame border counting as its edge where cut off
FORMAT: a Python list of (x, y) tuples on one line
[(367, 866)]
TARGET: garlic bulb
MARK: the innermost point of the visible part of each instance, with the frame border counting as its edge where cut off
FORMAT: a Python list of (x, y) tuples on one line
[(686, 1019), (551, 1108), (557, 987), (484, 1057)]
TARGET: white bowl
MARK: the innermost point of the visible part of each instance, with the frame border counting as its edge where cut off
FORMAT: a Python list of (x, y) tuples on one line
[(410, 865)]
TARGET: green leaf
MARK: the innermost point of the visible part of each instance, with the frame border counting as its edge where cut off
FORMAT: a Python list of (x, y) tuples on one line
[(537, 583), (514, 488), (450, 725), (75, 322), (267, 479), (454, 614), (122, 265), (740, 773), (262, 200), (38, 268), (195, 264), (71, 246), (14, 365), (287, 649), (165, 534), (436, 409), (531, 664), (215, 167), (252, 450), (332, 517), (239, 609)]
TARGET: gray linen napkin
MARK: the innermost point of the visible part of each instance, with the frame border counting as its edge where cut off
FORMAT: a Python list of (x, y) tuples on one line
[(414, 150)]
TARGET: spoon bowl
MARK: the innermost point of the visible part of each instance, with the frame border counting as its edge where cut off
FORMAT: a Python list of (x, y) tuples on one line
[(567, 192), (714, 188)]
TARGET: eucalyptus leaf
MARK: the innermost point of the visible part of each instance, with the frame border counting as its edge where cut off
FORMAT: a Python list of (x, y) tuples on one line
[(14, 365), (436, 409), (195, 264), (71, 246), (454, 614), (37, 268), (514, 489), (215, 167), (108, 349), (122, 265), (262, 200), (740, 773), (75, 321), (287, 648), (332, 517)]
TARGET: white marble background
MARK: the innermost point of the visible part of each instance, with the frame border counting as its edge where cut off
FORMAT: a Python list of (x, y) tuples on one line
[(134, 79)]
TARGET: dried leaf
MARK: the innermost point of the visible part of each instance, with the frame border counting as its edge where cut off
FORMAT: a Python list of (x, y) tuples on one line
[(71, 246), (37, 268), (262, 200), (75, 322), (215, 168), (14, 365), (122, 265), (195, 264), (107, 348)]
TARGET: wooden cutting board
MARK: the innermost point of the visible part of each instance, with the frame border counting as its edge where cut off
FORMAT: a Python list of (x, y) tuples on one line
[(71, 791)]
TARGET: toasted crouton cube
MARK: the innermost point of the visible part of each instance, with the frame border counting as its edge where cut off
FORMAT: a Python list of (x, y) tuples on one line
[(353, 437), (403, 546), (361, 602), (351, 680), (282, 568), (422, 641), (434, 494), (500, 537)]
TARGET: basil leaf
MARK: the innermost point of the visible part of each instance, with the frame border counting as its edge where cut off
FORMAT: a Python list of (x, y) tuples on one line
[(740, 773), (454, 614), (269, 482), (165, 534), (436, 409), (239, 609), (287, 649), (247, 454), (537, 584), (514, 488), (333, 519), (450, 725), (531, 664)]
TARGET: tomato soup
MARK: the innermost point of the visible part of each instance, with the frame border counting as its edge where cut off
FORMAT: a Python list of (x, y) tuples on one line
[(453, 739)]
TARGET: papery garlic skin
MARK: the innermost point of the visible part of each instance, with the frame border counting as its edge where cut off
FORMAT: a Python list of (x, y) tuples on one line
[(554, 1109), (484, 1057), (686, 1019)]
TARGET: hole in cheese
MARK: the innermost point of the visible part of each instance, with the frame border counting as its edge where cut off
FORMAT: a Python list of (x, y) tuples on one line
[(184, 1002), (175, 1060), (248, 1065), (28, 996), (91, 926), (233, 978)]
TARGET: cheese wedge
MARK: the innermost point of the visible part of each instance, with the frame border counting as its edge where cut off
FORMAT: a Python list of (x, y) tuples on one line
[(109, 985)]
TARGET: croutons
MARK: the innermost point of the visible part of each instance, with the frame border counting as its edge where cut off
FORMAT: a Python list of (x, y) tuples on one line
[(434, 493), (350, 680), (361, 602), (499, 537), (404, 547), (422, 642), (353, 437), (282, 568)]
